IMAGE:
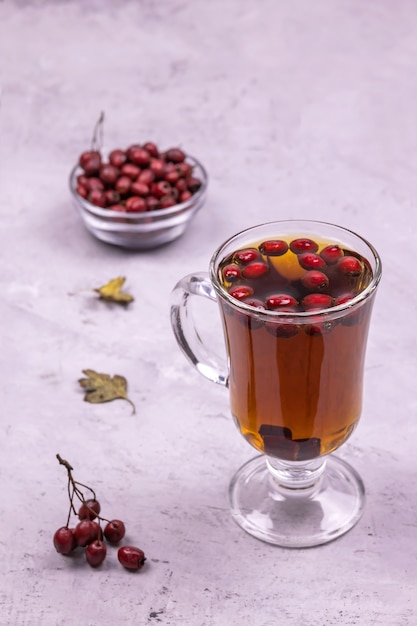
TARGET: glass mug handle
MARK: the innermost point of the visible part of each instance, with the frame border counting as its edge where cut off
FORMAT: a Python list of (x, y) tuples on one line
[(204, 360)]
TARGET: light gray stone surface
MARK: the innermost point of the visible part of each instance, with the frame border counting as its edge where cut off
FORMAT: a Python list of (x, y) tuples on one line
[(298, 109)]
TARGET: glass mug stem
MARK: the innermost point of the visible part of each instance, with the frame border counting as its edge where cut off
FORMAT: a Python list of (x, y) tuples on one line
[(298, 478)]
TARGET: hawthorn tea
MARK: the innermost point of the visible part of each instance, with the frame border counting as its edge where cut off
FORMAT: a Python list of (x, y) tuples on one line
[(296, 350)]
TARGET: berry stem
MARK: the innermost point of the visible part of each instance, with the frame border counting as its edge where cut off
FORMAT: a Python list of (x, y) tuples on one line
[(97, 141), (80, 494), (74, 490), (65, 464), (71, 507), (74, 484)]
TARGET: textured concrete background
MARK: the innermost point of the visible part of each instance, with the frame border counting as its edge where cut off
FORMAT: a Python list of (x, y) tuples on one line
[(298, 109)]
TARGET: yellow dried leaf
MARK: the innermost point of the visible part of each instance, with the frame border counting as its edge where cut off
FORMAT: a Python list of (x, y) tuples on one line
[(104, 388), (111, 291)]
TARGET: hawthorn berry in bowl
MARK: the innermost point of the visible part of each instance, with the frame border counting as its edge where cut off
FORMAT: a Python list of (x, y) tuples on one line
[(139, 197)]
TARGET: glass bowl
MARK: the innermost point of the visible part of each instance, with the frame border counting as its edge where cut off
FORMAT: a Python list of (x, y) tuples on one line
[(140, 231)]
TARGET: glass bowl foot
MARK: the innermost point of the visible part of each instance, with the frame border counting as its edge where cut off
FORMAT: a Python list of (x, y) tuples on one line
[(296, 518)]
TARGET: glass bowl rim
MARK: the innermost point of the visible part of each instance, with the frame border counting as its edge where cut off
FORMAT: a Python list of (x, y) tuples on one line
[(136, 217)]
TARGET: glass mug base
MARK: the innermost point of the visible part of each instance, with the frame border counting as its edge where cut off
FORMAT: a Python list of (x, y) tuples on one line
[(309, 515)]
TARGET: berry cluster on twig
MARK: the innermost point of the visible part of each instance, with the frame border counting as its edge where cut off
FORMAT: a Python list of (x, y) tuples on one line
[(88, 533)]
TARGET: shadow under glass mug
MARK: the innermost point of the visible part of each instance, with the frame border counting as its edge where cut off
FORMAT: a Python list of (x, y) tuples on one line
[(295, 300)]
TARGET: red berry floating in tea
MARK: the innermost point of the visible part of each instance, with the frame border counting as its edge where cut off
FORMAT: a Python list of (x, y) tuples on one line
[(241, 292), (317, 301), (350, 266), (331, 254), (301, 274), (257, 304), (231, 273), (255, 270), (311, 261), (281, 301), (303, 244), (314, 280), (274, 247), (246, 256)]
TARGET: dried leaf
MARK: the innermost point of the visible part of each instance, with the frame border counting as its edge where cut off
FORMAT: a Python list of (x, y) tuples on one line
[(104, 388), (111, 291)]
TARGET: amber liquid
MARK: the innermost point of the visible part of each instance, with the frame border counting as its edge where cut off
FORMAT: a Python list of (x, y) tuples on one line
[(296, 395)]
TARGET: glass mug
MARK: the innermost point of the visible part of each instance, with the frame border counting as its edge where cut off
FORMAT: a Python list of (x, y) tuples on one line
[(295, 300)]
